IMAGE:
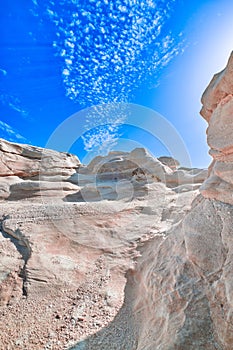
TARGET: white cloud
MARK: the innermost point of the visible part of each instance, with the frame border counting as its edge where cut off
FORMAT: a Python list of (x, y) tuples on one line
[(122, 55), (107, 57), (11, 134), (14, 103)]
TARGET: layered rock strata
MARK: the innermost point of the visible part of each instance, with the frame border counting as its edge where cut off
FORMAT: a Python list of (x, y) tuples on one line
[(32, 173)]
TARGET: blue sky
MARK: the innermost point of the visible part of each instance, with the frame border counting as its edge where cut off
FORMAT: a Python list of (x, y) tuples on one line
[(59, 58)]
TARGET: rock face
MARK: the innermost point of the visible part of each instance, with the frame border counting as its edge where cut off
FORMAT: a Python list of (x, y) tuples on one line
[(169, 161), (29, 172), (179, 296), (70, 233), (33, 172), (123, 175), (124, 253), (217, 110)]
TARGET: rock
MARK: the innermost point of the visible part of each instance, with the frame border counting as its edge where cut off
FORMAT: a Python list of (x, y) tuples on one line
[(69, 240), (217, 109), (11, 265), (70, 234), (122, 165), (179, 294), (124, 253), (170, 162), (6, 183), (41, 189), (28, 171), (32, 172), (219, 88), (27, 161), (129, 174), (186, 176)]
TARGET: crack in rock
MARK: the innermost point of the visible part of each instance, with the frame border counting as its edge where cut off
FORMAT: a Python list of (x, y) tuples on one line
[(22, 245)]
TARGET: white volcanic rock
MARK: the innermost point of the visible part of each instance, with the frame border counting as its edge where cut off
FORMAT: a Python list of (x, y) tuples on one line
[(130, 174), (179, 295), (32, 172), (71, 276), (122, 165), (11, 265), (220, 87), (129, 263), (42, 189), (184, 176), (218, 110), (5, 184), (63, 265), (118, 175), (27, 161), (170, 162), (28, 172)]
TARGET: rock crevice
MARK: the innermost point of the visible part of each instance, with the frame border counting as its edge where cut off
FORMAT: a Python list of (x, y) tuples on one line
[(23, 247)]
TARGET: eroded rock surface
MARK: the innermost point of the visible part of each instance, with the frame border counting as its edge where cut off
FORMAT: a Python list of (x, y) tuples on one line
[(179, 295), (32, 172), (122, 175), (71, 233), (68, 263), (218, 110), (122, 254)]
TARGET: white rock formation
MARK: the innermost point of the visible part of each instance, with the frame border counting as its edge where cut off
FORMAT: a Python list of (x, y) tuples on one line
[(70, 234)]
